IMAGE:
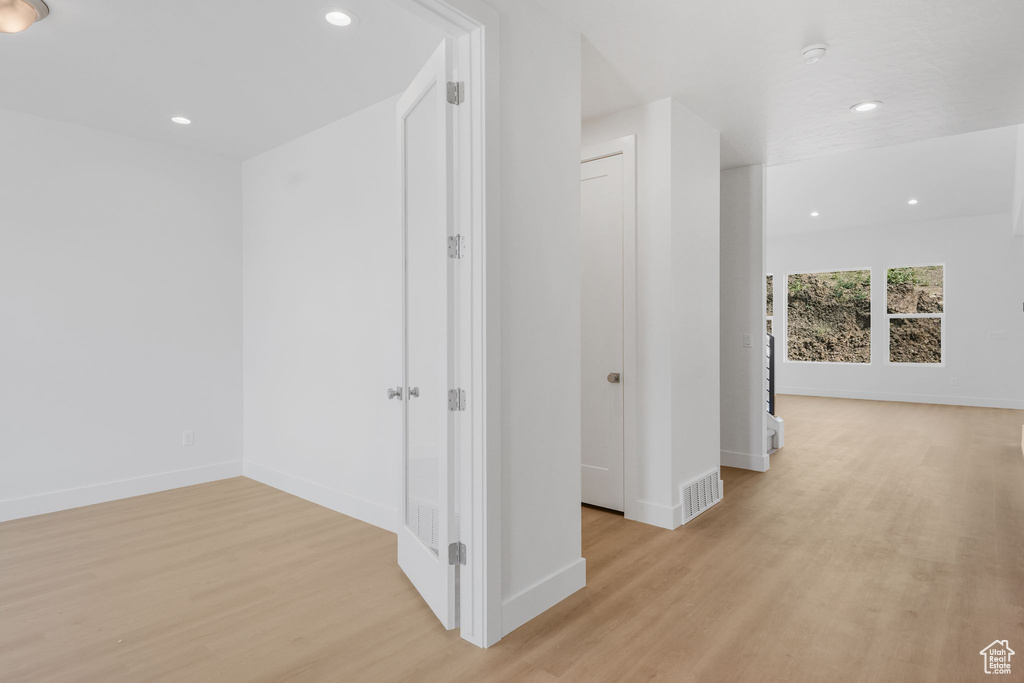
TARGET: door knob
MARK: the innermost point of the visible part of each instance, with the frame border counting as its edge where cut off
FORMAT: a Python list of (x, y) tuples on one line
[(613, 377), (414, 392), (395, 393)]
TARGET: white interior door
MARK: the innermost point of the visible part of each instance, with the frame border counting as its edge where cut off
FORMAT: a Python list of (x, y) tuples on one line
[(602, 398), (425, 144)]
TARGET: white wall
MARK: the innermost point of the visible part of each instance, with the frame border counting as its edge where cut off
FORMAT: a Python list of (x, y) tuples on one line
[(696, 227), (540, 310), (677, 252), (742, 280), (984, 276), (120, 307), (322, 321)]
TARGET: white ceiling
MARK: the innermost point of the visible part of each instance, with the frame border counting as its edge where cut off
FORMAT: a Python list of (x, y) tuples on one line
[(951, 177), (251, 74), (942, 67)]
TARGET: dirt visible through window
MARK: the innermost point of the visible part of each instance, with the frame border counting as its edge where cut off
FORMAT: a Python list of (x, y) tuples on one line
[(914, 291), (829, 316)]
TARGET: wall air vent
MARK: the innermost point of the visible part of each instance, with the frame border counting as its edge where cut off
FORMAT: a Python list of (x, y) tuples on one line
[(700, 495), (422, 520)]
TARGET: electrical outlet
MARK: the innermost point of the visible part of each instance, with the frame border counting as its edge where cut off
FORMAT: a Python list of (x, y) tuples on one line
[(748, 341), (954, 381), (188, 437)]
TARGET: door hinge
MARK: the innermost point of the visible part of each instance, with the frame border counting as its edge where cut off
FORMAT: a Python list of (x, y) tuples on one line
[(456, 92), (456, 399), (456, 553), (455, 246)]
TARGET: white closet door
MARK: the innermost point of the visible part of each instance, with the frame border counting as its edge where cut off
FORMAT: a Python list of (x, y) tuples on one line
[(602, 362)]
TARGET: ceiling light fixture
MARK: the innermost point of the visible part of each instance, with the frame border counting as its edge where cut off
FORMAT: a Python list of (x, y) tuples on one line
[(181, 120), (814, 214), (339, 18), (815, 53), (912, 202), (18, 15), (865, 106)]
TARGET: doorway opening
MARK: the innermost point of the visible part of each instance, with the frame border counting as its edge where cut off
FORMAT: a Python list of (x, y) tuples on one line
[(449, 492)]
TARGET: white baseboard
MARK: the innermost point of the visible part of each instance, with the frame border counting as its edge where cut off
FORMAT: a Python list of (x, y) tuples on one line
[(339, 501), (745, 461), (16, 508), (970, 401), (543, 595), (656, 514)]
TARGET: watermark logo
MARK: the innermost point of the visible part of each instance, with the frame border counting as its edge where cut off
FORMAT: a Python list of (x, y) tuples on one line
[(997, 657)]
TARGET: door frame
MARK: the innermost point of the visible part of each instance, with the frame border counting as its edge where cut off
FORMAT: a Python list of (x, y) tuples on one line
[(626, 146), (474, 27)]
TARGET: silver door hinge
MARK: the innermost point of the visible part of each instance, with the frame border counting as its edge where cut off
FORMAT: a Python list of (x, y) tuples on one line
[(456, 399), (455, 246), (456, 92), (456, 553)]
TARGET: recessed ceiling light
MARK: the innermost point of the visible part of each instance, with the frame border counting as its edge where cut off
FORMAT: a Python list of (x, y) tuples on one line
[(912, 202), (815, 214), (339, 18), (865, 106), (18, 15), (181, 120)]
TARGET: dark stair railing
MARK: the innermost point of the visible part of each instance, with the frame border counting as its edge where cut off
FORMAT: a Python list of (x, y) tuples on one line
[(771, 374)]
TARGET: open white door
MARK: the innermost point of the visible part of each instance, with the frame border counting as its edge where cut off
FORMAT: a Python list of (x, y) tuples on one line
[(425, 148)]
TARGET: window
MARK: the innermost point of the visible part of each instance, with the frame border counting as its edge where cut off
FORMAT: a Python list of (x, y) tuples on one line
[(828, 317), (915, 306), (770, 307)]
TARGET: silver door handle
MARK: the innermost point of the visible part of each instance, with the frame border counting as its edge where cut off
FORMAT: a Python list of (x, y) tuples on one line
[(614, 377), (414, 392), (395, 393)]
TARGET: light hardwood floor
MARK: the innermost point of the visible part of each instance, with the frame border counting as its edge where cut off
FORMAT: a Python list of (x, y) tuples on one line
[(885, 544)]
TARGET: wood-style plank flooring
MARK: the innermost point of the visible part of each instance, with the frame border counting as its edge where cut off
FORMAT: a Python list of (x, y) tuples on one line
[(885, 544)]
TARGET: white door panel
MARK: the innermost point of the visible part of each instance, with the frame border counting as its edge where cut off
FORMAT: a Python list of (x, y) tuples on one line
[(428, 522), (602, 319)]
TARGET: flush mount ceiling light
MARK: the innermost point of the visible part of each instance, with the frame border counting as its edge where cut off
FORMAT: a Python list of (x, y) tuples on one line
[(814, 214), (181, 120), (865, 106), (18, 15), (339, 18), (912, 202), (814, 53)]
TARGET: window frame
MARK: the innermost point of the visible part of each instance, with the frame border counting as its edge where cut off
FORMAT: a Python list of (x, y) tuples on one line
[(940, 316), (785, 313), (774, 332)]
